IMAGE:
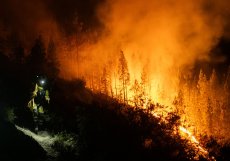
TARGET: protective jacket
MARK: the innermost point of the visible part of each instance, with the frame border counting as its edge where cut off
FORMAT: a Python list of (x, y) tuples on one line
[(40, 98)]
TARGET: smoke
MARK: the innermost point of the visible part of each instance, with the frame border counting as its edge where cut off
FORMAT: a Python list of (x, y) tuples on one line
[(165, 30), (160, 36), (26, 20)]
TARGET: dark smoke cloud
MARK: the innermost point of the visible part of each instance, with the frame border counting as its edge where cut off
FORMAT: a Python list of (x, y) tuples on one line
[(68, 12), (220, 10), (27, 19)]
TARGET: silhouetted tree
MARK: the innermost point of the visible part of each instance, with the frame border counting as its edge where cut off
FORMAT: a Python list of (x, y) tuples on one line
[(52, 67), (19, 54), (36, 61), (144, 81), (202, 83), (105, 81), (136, 93), (179, 102), (210, 115), (124, 75), (213, 79), (213, 103), (202, 105)]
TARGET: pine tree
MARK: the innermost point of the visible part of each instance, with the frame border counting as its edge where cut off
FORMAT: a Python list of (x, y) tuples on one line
[(104, 81), (36, 61), (213, 103), (136, 93), (202, 83), (210, 116), (144, 83), (19, 54), (52, 65), (202, 102), (179, 102), (124, 75), (213, 80)]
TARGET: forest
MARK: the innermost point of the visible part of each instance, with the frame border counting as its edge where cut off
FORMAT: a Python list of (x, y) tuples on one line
[(103, 123), (114, 80)]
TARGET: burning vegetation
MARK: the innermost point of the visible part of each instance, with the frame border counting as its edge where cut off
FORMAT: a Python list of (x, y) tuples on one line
[(163, 58), (147, 54)]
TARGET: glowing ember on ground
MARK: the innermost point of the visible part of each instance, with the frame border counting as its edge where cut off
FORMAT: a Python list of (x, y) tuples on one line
[(186, 134), (189, 134)]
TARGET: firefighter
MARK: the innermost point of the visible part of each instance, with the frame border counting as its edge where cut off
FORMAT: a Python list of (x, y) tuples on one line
[(39, 100)]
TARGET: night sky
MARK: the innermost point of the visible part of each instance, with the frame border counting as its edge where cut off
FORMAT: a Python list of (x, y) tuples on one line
[(26, 19)]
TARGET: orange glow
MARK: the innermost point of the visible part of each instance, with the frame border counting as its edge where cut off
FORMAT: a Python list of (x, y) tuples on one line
[(158, 39), (186, 134)]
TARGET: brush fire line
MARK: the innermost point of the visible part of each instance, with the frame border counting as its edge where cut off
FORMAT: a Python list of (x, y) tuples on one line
[(186, 134)]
